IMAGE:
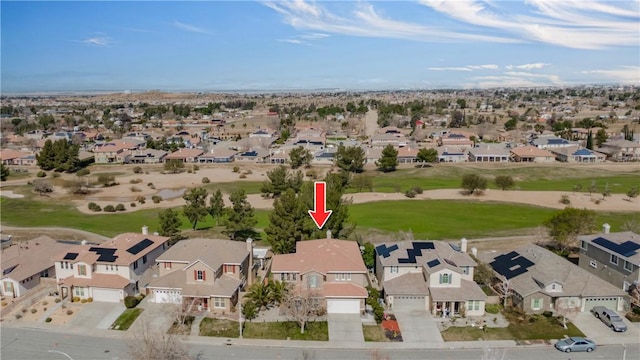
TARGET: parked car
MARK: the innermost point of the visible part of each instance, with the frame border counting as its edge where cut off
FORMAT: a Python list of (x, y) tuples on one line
[(575, 344), (610, 318)]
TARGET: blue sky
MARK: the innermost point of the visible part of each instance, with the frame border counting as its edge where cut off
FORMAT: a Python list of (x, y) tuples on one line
[(276, 45)]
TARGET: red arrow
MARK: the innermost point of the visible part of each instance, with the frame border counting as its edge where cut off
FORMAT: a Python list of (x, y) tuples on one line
[(320, 215)]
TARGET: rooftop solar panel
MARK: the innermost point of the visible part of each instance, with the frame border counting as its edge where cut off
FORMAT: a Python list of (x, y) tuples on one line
[(139, 246), (416, 251), (434, 262), (386, 251), (511, 265), (626, 249), (105, 254), (70, 256)]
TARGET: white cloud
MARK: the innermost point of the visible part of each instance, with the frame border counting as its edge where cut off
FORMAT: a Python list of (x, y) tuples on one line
[(527, 66), (623, 74), (294, 41), (483, 67), (189, 27), (465, 68), (514, 79), (99, 40), (305, 39), (449, 68)]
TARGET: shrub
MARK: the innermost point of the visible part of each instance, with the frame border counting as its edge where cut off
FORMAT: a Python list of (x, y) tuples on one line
[(64, 306), (189, 171), (205, 180), (47, 320), (547, 314), (196, 168), (69, 312), (109, 208), (636, 310), (24, 310), (243, 176), (90, 299), (248, 172), (57, 300), (141, 199), (151, 185), (236, 169), (41, 174), (492, 308), (135, 181), (75, 299), (417, 190), (4, 303), (131, 302), (311, 174), (410, 193), (93, 206), (83, 172), (134, 189), (83, 301), (137, 170), (564, 199), (120, 207), (34, 310), (156, 199), (55, 175), (44, 309), (132, 204), (45, 303), (18, 316)]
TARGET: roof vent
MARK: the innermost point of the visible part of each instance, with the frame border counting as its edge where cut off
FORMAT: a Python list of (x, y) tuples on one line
[(83, 242), (606, 228)]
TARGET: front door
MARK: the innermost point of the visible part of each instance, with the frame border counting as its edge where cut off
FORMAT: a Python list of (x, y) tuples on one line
[(205, 304)]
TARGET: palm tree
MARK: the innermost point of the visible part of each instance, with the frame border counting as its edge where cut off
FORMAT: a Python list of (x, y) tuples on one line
[(260, 294), (279, 291)]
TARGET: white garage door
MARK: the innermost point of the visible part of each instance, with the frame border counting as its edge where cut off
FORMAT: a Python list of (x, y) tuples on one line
[(167, 296), (107, 295), (408, 302), (610, 302), (343, 306)]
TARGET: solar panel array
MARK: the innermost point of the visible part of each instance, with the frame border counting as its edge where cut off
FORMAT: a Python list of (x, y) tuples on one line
[(416, 251), (140, 246), (70, 256), (433, 263), (626, 249), (511, 265), (106, 255), (386, 251)]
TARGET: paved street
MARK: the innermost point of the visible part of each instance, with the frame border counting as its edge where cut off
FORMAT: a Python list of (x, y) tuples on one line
[(345, 328), (417, 326), (33, 344)]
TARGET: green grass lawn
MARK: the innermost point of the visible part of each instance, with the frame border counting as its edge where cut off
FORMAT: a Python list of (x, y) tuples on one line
[(124, 321), (541, 328), (317, 331), (219, 328), (374, 333), (437, 219)]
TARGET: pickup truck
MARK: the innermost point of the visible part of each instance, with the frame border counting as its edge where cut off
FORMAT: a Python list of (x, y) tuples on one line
[(609, 318)]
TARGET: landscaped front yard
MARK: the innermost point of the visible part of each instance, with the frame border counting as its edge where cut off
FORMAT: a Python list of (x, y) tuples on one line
[(317, 331), (374, 333), (534, 327), (124, 321)]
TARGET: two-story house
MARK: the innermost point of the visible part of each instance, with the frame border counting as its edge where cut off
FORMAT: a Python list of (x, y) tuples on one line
[(25, 264), (109, 271), (203, 274), (435, 276), (333, 269), (613, 257)]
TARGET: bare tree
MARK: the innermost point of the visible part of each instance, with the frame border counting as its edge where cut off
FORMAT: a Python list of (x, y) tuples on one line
[(148, 341), (565, 309), (42, 186), (634, 292), (504, 289), (303, 305)]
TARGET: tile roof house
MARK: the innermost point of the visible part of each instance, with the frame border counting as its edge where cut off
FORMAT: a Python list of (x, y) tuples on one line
[(115, 151), (24, 264), (489, 153), (145, 156), (185, 155), (552, 142), (457, 140), (614, 257), (529, 153), (577, 154), (219, 154), (452, 154), (13, 157), (109, 271), (543, 281), (333, 268), (429, 275), (203, 274), (621, 150)]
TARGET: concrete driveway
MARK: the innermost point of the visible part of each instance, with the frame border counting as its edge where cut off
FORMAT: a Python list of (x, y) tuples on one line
[(345, 328), (97, 315), (417, 326), (597, 331)]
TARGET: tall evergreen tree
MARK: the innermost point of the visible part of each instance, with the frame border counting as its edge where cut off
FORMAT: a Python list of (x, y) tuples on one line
[(170, 224), (590, 140), (299, 157), (350, 159), (279, 180), (240, 219), (286, 223), (59, 155), (389, 159), (216, 205), (601, 137), (195, 208), (4, 172)]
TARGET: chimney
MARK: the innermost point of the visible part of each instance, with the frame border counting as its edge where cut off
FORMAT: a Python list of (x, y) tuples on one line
[(606, 228), (145, 230), (474, 251), (463, 245), (250, 270), (83, 242), (328, 234)]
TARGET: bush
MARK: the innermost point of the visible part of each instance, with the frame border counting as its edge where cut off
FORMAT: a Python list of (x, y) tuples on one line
[(132, 204), (189, 171), (311, 174), (236, 169), (41, 174), (47, 320), (83, 301), (109, 208), (417, 190), (33, 311), (131, 302), (4, 303), (205, 180), (57, 300), (151, 186), (120, 207), (45, 303), (64, 306), (75, 299), (156, 199), (135, 181), (24, 310), (243, 176), (141, 199), (547, 314), (474, 183), (196, 168), (492, 308), (55, 175), (69, 312), (94, 207), (135, 189), (83, 172), (564, 199), (137, 170), (248, 172), (636, 310), (410, 194), (18, 316), (90, 299)]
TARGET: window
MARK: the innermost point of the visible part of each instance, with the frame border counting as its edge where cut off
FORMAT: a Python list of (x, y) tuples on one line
[(628, 266), (82, 270), (294, 276), (229, 269), (281, 276), (200, 275), (583, 245), (135, 264), (8, 286), (593, 264), (465, 270), (625, 286), (45, 274), (167, 265), (536, 304), (614, 259), (445, 279), (473, 305), (343, 277), (219, 303), (144, 259), (394, 269), (313, 281), (78, 291), (553, 286)]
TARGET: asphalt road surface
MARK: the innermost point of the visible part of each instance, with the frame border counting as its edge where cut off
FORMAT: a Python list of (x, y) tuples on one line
[(34, 344)]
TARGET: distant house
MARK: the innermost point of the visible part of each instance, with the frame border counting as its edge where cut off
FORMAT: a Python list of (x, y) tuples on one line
[(115, 151), (614, 257), (552, 142), (385, 139), (543, 281), (145, 156), (452, 154), (109, 271), (489, 153), (185, 155), (407, 155), (25, 263), (455, 140), (429, 275), (203, 274), (331, 270), (577, 154), (531, 154), (13, 157), (252, 156), (279, 156), (217, 155), (621, 150)]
